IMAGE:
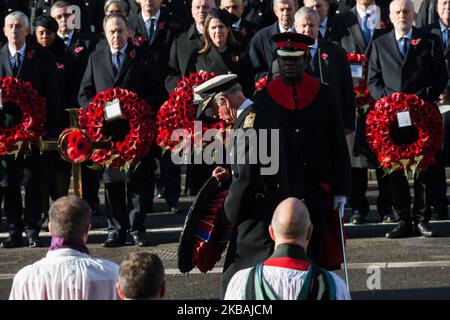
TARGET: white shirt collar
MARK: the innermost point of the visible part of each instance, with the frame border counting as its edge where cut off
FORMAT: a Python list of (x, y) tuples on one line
[(156, 16), (443, 27), (314, 46), (244, 105), (291, 29), (12, 52), (324, 23), (200, 32), (362, 13), (398, 36), (122, 51), (237, 24)]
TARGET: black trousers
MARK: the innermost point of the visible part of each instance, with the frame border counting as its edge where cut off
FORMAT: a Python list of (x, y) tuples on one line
[(91, 184), (18, 217), (358, 200), (171, 179)]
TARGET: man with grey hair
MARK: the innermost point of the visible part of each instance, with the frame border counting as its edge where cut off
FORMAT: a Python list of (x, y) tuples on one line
[(411, 61), (252, 196), (8, 6), (67, 272), (322, 7), (141, 277), (26, 62), (285, 275), (328, 64), (262, 50)]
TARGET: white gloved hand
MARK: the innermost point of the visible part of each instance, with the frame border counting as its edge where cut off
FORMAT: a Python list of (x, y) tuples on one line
[(339, 202)]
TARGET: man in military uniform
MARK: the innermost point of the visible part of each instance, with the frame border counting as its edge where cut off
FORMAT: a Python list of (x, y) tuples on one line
[(312, 129), (253, 196)]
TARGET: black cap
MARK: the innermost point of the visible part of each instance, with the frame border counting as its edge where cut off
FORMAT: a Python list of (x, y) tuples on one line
[(224, 16), (292, 44), (214, 86), (46, 22)]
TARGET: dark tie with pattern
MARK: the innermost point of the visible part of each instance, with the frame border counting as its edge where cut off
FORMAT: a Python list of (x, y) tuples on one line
[(116, 62), (405, 47), (16, 65)]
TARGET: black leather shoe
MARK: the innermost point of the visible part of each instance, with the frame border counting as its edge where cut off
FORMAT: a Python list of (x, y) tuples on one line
[(357, 218), (424, 230), (34, 241), (114, 240), (388, 219), (402, 230), (14, 240), (140, 239)]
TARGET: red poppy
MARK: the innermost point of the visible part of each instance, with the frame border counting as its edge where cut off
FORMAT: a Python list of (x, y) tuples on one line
[(324, 56), (415, 42), (60, 66), (30, 54), (161, 25), (78, 49), (132, 53)]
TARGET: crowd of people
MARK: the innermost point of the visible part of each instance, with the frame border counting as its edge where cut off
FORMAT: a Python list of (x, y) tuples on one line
[(300, 49)]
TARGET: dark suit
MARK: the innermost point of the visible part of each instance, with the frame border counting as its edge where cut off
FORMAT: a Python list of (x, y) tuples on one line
[(252, 198), (81, 45), (421, 72), (140, 75), (263, 50), (330, 66), (183, 53), (37, 67), (427, 13), (245, 33), (346, 32)]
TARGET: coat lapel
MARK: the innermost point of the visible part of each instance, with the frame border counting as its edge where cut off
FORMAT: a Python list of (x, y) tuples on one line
[(127, 60), (160, 22), (27, 61), (393, 47), (411, 48), (356, 31), (141, 26), (107, 63), (5, 62)]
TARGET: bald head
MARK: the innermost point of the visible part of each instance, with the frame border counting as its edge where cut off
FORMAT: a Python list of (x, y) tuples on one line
[(290, 222)]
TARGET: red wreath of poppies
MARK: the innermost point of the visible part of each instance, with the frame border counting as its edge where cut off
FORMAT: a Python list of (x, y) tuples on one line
[(136, 144), (363, 99), (31, 126), (416, 155), (179, 113)]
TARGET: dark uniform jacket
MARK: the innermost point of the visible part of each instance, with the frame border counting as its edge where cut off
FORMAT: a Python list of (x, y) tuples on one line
[(37, 67), (229, 61), (167, 29), (330, 66), (138, 74), (252, 197), (183, 53), (259, 12), (263, 50), (346, 32), (422, 72)]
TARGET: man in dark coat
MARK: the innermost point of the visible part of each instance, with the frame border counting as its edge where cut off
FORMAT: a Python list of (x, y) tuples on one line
[(313, 132), (120, 64), (328, 64), (185, 47), (322, 7), (8, 6), (354, 34), (259, 12), (27, 63), (159, 29), (410, 61), (262, 49), (427, 13), (253, 194)]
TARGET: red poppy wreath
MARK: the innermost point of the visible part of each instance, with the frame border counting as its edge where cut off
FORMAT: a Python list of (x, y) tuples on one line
[(31, 125), (404, 132), (74, 145), (363, 99), (180, 110), (135, 145)]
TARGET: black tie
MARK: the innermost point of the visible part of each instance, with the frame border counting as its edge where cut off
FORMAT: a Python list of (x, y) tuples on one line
[(152, 29), (405, 46), (16, 65), (116, 63)]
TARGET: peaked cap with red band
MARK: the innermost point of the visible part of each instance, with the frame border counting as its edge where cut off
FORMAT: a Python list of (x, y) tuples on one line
[(292, 44)]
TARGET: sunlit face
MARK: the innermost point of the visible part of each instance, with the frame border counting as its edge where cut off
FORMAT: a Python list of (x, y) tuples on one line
[(116, 33), (285, 12), (218, 32), (443, 10), (61, 16), (16, 31), (235, 7), (321, 6), (150, 7), (308, 25), (45, 37), (200, 10), (223, 112), (402, 16)]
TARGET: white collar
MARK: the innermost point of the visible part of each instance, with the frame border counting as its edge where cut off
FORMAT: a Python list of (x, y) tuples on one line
[(200, 32), (398, 36), (244, 105), (315, 45), (362, 13), (12, 52), (237, 24), (156, 16), (64, 252), (122, 51), (443, 27), (282, 30), (324, 23)]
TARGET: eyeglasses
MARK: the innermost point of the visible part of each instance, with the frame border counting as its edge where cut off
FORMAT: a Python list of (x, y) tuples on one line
[(60, 16)]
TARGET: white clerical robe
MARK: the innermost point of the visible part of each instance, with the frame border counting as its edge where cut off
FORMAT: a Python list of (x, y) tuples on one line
[(66, 274), (285, 282)]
